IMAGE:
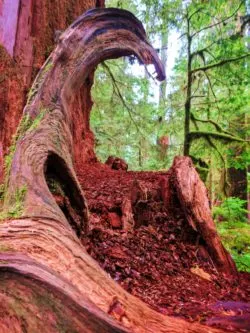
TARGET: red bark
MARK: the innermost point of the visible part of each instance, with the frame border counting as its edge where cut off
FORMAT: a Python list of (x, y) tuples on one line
[(26, 42), (192, 195)]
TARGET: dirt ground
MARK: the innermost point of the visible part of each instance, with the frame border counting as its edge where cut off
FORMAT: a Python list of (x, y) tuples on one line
[(152, 252)]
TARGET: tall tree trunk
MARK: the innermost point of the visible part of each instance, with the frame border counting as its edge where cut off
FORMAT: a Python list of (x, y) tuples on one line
[(187, 143), (163, 87), (238, 177), (48, 281), (163, 138)]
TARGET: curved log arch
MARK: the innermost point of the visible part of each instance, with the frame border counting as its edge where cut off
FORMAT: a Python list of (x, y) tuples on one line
[(38, 240), (47, 122)]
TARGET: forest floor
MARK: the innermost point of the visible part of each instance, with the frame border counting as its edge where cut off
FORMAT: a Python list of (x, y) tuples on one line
[(157, 256)]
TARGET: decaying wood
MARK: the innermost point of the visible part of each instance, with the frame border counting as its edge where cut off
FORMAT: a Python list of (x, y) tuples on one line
[(41, 254), (45, 138), (192, 195), (45, 252)]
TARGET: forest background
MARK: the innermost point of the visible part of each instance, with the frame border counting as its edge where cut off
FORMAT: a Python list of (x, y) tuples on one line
[(201, 110)]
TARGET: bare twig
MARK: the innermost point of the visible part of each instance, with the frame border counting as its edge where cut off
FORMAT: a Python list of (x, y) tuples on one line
[(212, 89), (130, 111), (195, 12)]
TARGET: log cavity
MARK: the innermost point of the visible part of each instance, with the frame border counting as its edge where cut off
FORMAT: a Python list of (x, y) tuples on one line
[(65, 192)]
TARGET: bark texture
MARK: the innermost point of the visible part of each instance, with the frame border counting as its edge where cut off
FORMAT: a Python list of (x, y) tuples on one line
[(28, 33), (192, 195), (42, 258)]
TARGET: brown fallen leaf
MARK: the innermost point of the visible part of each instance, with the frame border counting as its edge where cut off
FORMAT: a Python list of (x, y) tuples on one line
[(201, 273), (116, 252)]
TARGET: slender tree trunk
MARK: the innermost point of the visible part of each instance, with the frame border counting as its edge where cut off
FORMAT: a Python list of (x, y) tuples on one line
[(163, 86), (140, 153), (238, 177), (163, 138), (187, 143)]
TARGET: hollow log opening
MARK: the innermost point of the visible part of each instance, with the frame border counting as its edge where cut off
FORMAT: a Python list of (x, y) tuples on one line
[(66, 193)]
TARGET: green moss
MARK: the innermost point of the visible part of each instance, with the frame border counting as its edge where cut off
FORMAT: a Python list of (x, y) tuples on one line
[(48, 50), (55, 187), (47, 67), (47, 302), (15, 209), (5, 248), (27, 124), (1, 192), (24, 125), (8, 161), (31, 94), (33, 124), (214, 135), (39, 80)]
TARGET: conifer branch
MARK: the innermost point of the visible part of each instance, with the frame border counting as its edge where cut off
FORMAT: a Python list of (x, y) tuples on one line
[(210, 121), (215, 135), (220, 63), (130, 111)]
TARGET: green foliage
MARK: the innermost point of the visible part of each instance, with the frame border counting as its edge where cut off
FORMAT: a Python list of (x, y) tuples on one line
[(124, 119), (236, 239), (238, 157), (220, 95), (234, 231), (231, 210)]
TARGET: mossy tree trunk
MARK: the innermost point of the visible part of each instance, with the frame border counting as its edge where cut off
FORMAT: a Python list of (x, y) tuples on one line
[(27, 37)]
